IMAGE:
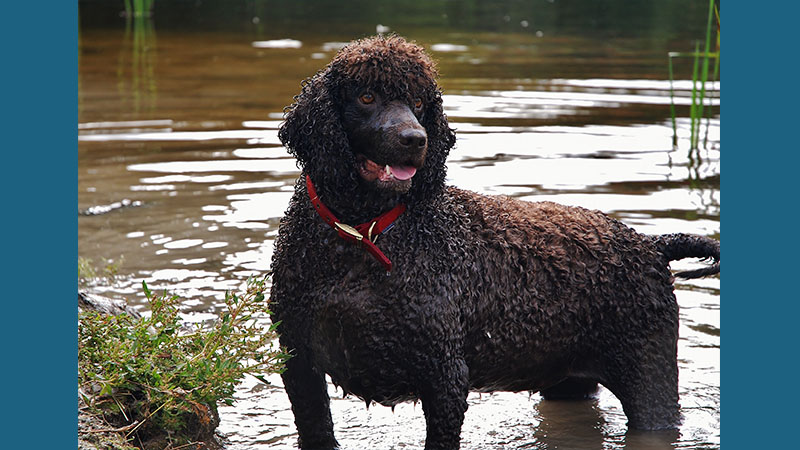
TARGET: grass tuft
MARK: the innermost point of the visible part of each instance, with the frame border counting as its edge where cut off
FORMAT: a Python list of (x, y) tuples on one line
[(87, 270)]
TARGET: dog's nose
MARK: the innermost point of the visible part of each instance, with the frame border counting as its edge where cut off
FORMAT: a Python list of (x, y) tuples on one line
[(413, 138)]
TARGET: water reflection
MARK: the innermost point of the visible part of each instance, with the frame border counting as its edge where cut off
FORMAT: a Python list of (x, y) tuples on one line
[(569, 424), (136, 80)]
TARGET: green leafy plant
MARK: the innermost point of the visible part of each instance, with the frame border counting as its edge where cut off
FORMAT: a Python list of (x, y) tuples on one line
[(700, 73), (159, 380)]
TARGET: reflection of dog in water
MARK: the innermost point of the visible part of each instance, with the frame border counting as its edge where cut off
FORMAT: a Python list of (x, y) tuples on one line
[(580, 425), (441, 291)]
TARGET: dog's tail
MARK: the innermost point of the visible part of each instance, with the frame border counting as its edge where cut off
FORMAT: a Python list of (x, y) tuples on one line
[(679, 245)]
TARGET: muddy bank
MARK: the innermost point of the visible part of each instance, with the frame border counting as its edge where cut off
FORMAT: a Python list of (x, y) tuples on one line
[(96, 434)]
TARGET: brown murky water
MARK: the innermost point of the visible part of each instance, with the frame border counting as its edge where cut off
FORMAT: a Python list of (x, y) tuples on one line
[(181, 175)]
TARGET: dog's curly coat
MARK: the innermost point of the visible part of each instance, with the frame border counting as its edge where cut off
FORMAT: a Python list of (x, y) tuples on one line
[(486, 293)]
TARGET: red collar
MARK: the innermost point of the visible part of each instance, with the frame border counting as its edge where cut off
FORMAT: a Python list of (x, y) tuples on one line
[(365, 233)]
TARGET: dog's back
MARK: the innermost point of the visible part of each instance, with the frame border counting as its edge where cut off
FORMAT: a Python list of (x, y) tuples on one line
[(556, 288)]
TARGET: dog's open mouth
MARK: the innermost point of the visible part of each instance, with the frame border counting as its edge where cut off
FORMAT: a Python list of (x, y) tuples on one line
[(387, 173)]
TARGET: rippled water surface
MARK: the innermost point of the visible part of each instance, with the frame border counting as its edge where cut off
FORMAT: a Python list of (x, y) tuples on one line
[(182, 181)]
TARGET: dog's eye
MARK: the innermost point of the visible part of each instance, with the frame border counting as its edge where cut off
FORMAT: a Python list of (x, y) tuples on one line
[(367, 98), (418, 103)]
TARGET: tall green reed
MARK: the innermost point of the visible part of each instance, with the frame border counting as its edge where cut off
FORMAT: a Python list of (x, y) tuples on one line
[(700, 79), (139, 8)]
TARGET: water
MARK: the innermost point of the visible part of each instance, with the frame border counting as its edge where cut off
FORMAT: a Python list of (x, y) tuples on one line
[(182, 179)]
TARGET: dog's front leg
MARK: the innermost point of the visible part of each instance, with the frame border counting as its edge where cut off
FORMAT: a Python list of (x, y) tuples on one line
[(444, 401), (308, 393)]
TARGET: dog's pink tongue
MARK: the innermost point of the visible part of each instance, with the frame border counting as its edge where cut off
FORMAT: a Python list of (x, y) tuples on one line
[(403, 172)]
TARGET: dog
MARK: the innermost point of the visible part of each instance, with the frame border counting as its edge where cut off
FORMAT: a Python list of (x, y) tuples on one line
[(402, 288)]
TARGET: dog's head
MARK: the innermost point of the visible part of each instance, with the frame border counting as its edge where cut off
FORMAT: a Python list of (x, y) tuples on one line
[(372, 120)]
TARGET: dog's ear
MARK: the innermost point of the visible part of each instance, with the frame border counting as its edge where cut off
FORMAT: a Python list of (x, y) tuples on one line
[(441, 138), (438, 128), (312, 131)]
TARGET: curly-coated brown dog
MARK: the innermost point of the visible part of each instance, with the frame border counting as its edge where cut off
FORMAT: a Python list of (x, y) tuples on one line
[(439, 291)]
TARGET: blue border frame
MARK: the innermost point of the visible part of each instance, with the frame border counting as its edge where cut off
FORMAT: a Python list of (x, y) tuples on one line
[(40, 179), (759, 307), (39, 333)]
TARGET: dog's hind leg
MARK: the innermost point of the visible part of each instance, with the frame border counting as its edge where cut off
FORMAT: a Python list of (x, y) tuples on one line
[(646, 383), (308, 393), (444, 401)]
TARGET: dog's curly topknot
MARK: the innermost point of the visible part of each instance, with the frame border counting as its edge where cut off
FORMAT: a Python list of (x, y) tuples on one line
[(395, 67), (313, 133)]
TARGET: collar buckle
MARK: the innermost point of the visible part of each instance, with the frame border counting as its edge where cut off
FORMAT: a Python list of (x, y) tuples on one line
[(350, 231)]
